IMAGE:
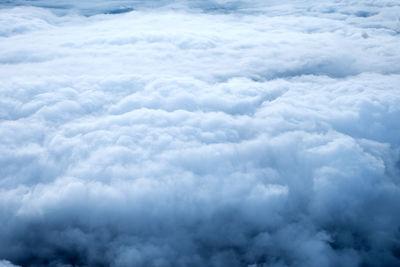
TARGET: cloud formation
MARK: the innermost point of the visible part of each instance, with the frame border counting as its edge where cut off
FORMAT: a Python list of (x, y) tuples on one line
[(199, 133)]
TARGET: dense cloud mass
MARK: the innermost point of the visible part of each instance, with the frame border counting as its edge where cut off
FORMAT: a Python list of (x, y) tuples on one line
[(200, 133)]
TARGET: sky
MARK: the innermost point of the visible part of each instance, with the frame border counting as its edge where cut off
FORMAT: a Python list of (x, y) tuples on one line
[(199, 133)]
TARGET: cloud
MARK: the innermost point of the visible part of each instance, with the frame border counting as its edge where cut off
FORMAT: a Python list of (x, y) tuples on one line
[(4, 263), (199, 133)]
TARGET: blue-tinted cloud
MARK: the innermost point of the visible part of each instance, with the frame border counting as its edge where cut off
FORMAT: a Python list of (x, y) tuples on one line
[(199, 133)]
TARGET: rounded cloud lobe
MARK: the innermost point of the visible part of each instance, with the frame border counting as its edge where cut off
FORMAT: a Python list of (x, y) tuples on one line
[(189, 133)]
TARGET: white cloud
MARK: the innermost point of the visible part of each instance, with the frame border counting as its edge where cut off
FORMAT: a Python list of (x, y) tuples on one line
[(199, 133), (4, 263)]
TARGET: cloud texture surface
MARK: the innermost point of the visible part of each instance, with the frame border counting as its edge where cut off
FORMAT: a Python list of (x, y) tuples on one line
[(200, 133)]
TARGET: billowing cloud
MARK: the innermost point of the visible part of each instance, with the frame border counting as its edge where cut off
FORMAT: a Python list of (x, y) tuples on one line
[(199, 133)]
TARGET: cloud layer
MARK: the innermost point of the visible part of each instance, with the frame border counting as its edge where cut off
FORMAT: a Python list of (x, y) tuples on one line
[(199, 133)]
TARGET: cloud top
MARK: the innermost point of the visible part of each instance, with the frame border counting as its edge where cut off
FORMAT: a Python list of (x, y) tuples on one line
[(199, 133)]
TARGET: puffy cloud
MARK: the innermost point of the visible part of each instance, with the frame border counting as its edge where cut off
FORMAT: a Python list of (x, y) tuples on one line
[(199, 133)]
